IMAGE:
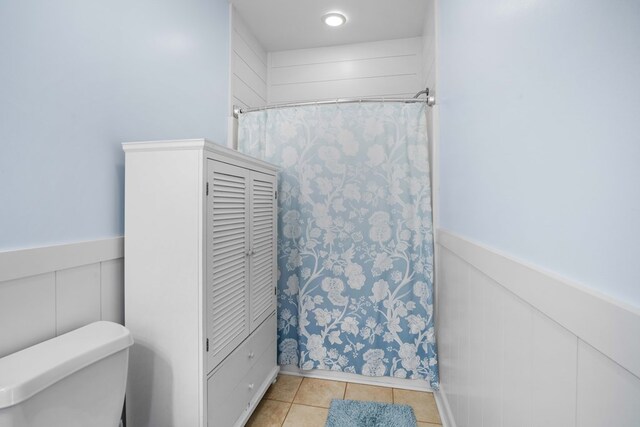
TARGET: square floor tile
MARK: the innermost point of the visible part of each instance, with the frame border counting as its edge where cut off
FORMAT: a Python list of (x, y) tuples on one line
[(423, 404), (369, 392), (317, 392), (269, 413), (284, 389), (306, 416)]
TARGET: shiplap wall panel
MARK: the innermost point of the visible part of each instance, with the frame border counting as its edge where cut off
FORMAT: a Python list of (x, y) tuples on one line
[(77, 297), (27, 312), (608, 395), (385, 48), (112, 290), (369, 87), (517, 320), (37, 307), (505, 363), (248, 66), (255, 81), (350, 69), (390, 68), (429, 47), (246, 94), (553, 396)]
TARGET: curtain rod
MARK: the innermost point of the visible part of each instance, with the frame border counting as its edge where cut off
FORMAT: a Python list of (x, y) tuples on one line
[(430, 100)]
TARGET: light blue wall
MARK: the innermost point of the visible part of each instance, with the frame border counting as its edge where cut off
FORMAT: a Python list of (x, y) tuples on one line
[(540, 134), (77, 78)]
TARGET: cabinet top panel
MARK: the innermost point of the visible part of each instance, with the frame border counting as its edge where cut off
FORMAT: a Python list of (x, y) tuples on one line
[(195, 144)]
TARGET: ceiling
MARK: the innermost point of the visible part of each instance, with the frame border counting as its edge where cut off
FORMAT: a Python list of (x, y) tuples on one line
[(296, 24)]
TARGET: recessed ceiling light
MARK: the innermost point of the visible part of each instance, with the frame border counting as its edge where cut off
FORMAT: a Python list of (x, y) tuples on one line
[(334, 19)]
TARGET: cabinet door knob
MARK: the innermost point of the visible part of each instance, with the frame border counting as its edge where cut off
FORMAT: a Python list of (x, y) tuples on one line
[(251, 355), (250, 386)]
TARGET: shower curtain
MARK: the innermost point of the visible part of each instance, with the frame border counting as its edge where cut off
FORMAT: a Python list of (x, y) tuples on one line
[(355, 238)]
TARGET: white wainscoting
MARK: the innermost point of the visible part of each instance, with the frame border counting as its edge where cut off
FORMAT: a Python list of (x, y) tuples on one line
[(390, 68), (45, 292), (519, 346), (248, 66)]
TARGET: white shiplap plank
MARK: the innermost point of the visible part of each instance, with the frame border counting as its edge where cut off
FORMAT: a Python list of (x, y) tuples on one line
[(554, 373), (249, 76), (241, 30), (77, 297), (27, 312), (248, 66), (112, 290), (608, 395), (253, 60), (31, 262), (349, 69), (238, 102), (444, 330), (376, 86), (477, 298), (456, 280), (516, 364), (246, 94), (357, 51), (492, 352)]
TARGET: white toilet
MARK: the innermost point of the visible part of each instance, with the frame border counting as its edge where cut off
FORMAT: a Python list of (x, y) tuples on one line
[(75, 380)]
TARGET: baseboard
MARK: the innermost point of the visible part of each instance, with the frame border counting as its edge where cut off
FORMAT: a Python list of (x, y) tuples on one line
[(590, 315), (30, 262), (446, 415), (417, 385)]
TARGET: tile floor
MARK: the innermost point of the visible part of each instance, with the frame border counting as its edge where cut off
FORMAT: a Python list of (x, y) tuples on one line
[(296, 402)]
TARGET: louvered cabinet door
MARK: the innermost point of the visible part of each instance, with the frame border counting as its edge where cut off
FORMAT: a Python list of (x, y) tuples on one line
[(263, 247), (227, 246)]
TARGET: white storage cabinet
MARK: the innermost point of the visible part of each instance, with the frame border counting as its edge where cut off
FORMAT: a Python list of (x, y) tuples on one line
[(200, 281)]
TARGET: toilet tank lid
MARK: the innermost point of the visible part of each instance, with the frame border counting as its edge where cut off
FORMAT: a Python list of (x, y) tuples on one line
[(29, 371)]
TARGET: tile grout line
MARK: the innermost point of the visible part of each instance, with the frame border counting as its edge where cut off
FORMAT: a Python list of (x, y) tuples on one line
[(344, 394), (291, 403), (286, 415)]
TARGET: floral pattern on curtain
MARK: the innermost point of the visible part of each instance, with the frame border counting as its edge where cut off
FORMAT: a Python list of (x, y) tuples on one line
[(355, 238)]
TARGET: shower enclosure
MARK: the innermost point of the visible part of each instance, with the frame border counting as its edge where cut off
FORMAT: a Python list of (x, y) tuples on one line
[(355, 243)]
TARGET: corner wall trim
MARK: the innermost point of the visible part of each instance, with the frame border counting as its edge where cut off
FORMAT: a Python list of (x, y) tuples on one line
[(442, 402), (30, 262), (610, 326)]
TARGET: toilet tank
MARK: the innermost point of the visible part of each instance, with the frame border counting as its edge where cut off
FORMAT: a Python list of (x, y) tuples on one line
[(76, 379)]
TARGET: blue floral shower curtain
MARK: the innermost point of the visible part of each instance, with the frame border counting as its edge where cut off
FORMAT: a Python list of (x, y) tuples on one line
[(355, 240)]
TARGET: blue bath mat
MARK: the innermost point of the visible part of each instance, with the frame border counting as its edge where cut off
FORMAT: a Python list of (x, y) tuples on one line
[(355, 413)]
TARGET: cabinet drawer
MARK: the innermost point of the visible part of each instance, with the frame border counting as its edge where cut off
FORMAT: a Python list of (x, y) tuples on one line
[(259, 373), (237, 379), (242, 400), (245, 354)]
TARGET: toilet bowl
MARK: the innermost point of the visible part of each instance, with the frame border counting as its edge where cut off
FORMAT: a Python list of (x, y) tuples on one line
[(74, 380)]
